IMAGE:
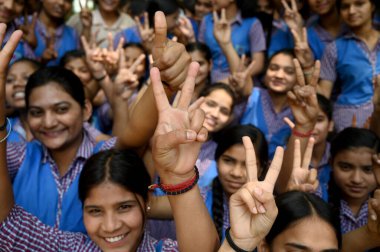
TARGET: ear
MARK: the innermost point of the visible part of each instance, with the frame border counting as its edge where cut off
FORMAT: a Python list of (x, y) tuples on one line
[(263, 246), (87, 110)]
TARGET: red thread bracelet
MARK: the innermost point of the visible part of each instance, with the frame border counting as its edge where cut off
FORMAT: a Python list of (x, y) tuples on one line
[(179, 188), (303, 135)]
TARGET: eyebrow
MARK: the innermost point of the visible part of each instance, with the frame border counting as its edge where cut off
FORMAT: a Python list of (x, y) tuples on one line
[(116, 204), (55, 104), (303, 247)]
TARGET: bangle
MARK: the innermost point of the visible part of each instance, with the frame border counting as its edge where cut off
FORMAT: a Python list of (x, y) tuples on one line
[(8, 122), (101, 78), (232, 243), (179, 188), (4, 126), (303, 135)]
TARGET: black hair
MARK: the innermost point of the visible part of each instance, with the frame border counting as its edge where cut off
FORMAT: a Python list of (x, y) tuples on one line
[(35, 64), (71, 55), (348, 139), (248, 8), (339, 4), (136, 7), (121, 167), (168, 7), (286, 51), (199, 46), (216, 86), (66, 79), (226, 139), (325, 105), (294, 206)]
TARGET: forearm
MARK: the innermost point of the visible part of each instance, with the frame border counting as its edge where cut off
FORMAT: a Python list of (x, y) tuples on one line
[(160, 208), (231, 56), (360, 239), (193, 222)]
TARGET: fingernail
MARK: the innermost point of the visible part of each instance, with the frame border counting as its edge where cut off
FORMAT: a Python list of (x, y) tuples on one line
[(191, 135), (373, 217), (258, 191), (262, 209), (254, 210)]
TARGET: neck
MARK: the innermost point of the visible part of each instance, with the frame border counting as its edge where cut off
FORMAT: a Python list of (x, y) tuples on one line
[(318, 152), (231, 12), (279, 100), (365, 32), (25, 125), (109, 17), (49, 22), (331, 22), (65, 157)]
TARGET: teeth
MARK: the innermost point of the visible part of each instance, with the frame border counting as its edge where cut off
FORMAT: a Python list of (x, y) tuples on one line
[(19, 95), (114, 239)]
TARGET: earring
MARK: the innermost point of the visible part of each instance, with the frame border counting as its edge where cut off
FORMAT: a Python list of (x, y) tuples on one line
[(148, 208)]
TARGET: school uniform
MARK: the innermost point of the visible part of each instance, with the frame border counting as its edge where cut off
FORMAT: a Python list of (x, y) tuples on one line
[(352, 66), (247, 37), (350, 222), (281, 37), (22, 231), (66, 39), (260, 113), (39, 187)]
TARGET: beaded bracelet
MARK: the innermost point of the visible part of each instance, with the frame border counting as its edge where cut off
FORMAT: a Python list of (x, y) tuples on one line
[(8, 122), (232, 243), (179, 188)]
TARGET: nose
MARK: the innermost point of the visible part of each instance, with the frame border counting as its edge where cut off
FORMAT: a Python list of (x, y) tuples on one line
[(356, 176), (214, 112), (351, 9), (8, 4), (237, 171), (111, 223), (280, 73), (49, 120)]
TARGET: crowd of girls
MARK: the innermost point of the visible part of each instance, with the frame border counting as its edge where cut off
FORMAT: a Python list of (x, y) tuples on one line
[(205, 125)]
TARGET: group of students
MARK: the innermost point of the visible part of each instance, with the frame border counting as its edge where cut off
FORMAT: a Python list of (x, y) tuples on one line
[(228, 125)]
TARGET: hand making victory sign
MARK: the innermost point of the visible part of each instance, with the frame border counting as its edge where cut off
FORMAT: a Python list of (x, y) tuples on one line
[(28, 29), (252, 208), (146, 32)]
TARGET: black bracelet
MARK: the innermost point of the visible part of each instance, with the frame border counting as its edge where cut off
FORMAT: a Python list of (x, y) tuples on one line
[(4, 126), (231, 242)]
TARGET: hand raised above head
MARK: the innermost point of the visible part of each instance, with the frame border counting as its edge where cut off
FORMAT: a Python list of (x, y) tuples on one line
[(169, 57)]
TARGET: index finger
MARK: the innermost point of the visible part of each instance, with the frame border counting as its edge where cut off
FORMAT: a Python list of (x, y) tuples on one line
[(250, 159), (275, 167), (137, 63), (146, 20), (9, 48), (316, 73), (162, 102), (85, 45), (294, 5), (285, 5), (25, 17), (80, 4), (160, 34), (299, 73)]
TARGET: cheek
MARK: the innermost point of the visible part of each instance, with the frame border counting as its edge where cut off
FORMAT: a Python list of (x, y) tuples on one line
[(91, 224)]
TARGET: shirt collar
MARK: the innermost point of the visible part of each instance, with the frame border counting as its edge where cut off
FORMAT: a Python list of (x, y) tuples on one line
[(147, 243), (238, 18), (346, 211), (99, 21), (40, 27), (84, 152)]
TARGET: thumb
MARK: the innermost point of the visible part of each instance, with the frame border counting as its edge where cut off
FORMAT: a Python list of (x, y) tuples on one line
[(160, 34), (175, 138)]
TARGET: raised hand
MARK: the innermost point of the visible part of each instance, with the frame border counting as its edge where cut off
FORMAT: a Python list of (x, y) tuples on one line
[(252, 208), (111, 55), (179, 133), (169, 57), (291, 16), (302, 50), (374, 213), (303, 178), (146, 33), (85, 15), (303, 99), (49, 53), (126, 81), (186, 30), (241, 80), (93, 58), (28, 29), (222, 28)]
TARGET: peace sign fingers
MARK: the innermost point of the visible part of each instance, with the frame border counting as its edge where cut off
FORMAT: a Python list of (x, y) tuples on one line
[(274, 168), (188, 87), (250, 159), (137, 62), (299, 73), (158, 90)]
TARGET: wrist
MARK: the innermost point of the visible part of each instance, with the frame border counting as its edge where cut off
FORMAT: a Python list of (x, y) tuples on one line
[(241, 245)]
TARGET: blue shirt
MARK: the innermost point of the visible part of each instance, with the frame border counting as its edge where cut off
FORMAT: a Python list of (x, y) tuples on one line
[(281, 38), (247, 37), (66, 39)]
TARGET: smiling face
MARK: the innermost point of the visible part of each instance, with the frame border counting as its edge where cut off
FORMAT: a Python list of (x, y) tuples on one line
[(16, 80), (217, 107), (322, 127), (321, 7), (10, 9), (353, 174), (131, 55), (109, 5), (202, 8), (280, 76), (357, 13), (57, 9), (55, 118), (113, 217), (300, 237)]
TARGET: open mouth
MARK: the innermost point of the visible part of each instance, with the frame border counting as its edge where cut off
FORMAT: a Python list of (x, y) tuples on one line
[(114, 239)]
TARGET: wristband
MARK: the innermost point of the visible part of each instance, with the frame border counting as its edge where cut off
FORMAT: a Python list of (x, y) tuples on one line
[(179, 188), (232, 243), (303, 135)]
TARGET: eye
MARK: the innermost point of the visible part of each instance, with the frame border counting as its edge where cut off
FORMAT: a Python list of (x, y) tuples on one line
[(35, 112), (345, 167), (228, 160), (125, 207), (94, 212), (9, 81), (273, 67), (225, 111), (62, 109), (289, 70), (367, 169), (211, 103)]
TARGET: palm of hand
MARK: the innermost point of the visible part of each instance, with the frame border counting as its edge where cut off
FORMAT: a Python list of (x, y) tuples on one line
[(222, 32)]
